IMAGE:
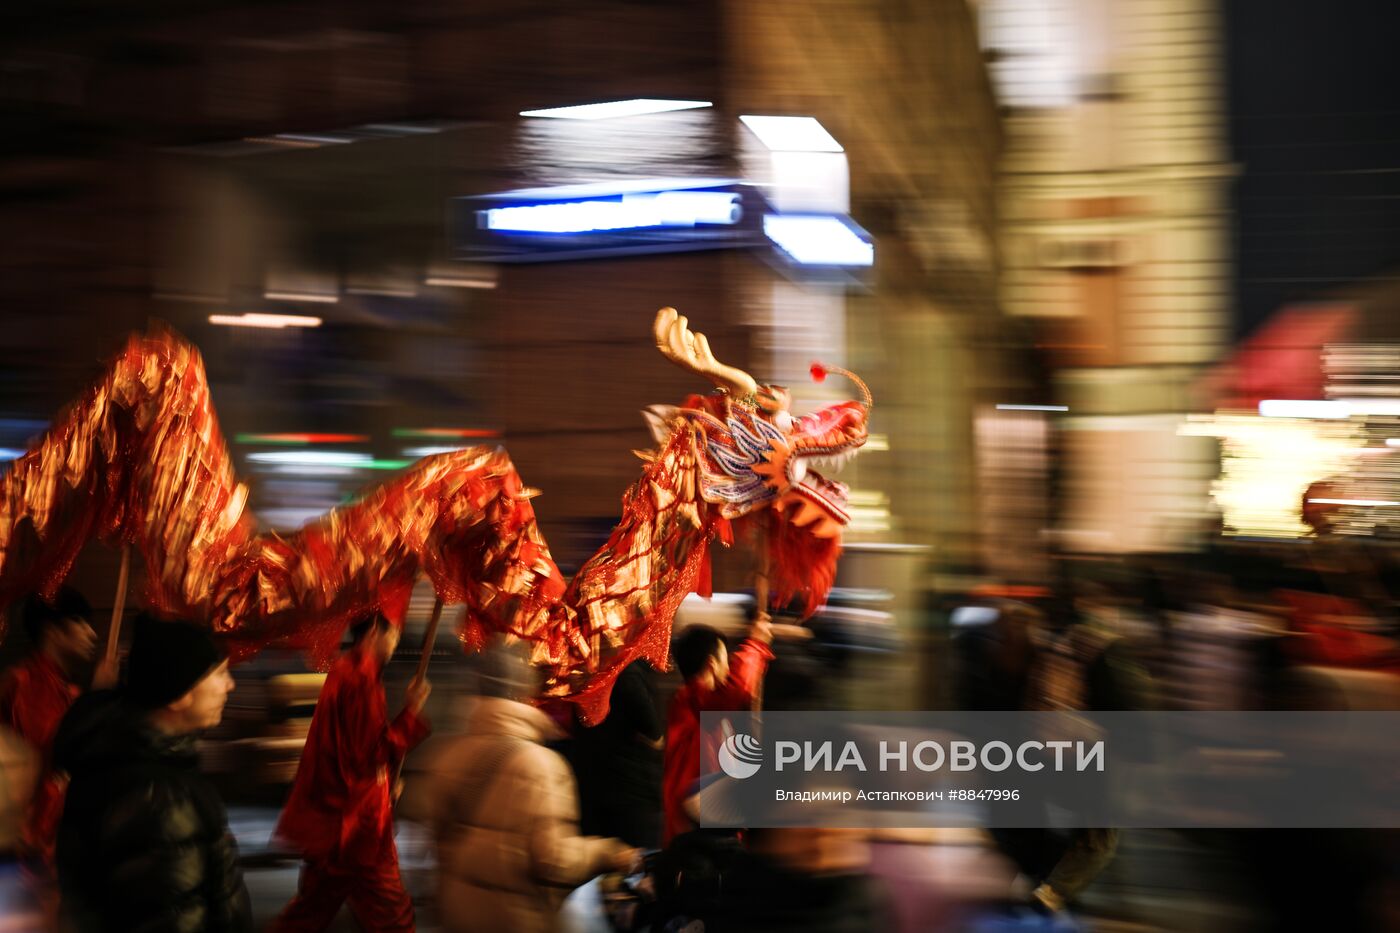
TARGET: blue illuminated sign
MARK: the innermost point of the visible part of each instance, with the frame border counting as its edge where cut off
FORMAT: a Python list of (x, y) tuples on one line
[(615, 218), (631, 212), (638, 216)]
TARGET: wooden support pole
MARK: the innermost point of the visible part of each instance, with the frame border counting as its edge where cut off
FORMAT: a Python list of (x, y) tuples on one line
[(114, 631), (426, 655), (760, 592), (429, 640), (760, 583)]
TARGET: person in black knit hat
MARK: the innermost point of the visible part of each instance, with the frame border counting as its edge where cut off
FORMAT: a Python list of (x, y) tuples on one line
[(144, 843)]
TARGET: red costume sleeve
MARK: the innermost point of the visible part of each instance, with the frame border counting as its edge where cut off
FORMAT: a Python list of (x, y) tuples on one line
[(366, 740), (33, 700), (34, 697), (746, 669)]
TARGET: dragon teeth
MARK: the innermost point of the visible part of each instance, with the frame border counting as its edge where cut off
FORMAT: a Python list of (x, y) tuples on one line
[(832, 462)]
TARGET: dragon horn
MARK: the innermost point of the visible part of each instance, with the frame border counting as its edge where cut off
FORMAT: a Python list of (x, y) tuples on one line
[(692, 351)]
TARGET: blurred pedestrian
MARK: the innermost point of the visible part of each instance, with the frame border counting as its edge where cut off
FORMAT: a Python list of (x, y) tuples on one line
[(713, 681), (1014, 663), (808, 879), (34, 697), (504, 813), (812, 878), (19, 773), (339, 817), (144, 843), (618, 762), (996, 657)]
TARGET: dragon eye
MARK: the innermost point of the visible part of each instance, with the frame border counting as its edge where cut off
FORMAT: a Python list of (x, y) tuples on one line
[(783, 421)]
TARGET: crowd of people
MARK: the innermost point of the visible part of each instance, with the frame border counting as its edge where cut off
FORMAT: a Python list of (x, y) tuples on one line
[(121, 831)]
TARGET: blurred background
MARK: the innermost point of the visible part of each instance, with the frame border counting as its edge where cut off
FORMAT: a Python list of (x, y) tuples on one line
[(1121, 275)]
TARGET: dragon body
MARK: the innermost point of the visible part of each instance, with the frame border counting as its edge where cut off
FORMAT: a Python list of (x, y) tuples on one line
[(140, 460)]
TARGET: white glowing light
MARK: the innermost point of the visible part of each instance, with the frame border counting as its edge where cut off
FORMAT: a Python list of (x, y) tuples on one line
[(1371, 406), (1361, 502), (1303, 408), (10, 453), (1334, 408), (273, 321), (420, 452), (815, 240), (313, 297), (289, 519), (317, 458), (663, 209), (968, 616), (616, 108), (1032, 408), (1267, 465), (448, 281), (792, 134), (292, 469)]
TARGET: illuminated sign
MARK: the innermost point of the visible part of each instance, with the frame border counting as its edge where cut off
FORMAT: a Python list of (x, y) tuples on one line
[(632, 216), (792, 134), (819, 240), (629, 212), (638, 216)]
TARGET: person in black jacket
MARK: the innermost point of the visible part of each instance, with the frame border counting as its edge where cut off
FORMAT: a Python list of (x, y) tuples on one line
[(618, 762), (144, 844)]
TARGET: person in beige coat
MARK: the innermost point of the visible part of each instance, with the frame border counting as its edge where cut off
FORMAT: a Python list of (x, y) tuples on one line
[(504, 812)]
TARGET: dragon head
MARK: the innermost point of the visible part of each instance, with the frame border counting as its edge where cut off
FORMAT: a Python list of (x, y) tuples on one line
[(753, 453)]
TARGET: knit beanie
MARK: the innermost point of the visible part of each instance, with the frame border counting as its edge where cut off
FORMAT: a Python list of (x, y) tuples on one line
[(167, 659)]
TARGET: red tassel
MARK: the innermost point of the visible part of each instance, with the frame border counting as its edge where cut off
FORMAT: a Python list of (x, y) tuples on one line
[(704, 584), (724, 530)]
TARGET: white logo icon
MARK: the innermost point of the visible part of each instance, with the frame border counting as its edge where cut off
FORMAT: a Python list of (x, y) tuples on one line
[(740, 756)]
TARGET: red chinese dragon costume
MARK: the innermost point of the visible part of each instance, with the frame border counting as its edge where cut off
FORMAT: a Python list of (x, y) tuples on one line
[(139, 460)]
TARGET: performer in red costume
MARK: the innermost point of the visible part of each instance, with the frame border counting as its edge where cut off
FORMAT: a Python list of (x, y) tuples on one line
[(339, 816), (713, 681), (34, 697)]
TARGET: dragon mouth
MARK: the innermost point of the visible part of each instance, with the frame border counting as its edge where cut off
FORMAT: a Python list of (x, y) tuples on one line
[(822, 505), (826, 440), (816, 503)]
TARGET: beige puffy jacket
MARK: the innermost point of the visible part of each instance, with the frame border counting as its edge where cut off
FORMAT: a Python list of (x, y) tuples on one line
[(507, 857)]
